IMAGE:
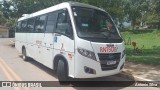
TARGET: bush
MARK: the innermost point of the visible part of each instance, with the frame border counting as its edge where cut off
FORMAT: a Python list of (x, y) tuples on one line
[(11, 23)]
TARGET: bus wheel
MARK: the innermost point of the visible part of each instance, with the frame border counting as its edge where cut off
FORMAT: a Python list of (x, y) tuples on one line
[(24, 57), (62, 72)]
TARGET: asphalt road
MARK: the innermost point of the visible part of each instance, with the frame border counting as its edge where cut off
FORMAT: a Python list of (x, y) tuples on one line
[(13, 68)]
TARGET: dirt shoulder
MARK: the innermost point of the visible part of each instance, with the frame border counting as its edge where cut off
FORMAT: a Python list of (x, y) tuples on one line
[(143, 71)]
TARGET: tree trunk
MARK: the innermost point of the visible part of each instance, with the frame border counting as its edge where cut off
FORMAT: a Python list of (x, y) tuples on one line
[(133, 25), (158, 24)]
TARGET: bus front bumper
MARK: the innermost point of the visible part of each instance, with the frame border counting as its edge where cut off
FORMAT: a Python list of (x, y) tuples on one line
[(87, 68)]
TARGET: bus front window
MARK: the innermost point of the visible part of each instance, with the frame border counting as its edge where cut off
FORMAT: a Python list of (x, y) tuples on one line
[(95, 25)]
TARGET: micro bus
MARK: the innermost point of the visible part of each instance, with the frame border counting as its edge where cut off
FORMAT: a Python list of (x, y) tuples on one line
[(75, 39)]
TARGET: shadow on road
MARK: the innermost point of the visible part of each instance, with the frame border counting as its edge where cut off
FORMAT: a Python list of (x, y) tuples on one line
[(145, 71), (12, 45), (109, 81)]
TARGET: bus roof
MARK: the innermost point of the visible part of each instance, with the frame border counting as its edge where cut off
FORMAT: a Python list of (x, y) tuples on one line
[(83, 5), (57, 7)]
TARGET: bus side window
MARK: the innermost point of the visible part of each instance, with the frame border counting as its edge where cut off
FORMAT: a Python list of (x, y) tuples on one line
[(39, 24), (23, 26), (51, 21), (18, 27), (30, 25), (64, 24)]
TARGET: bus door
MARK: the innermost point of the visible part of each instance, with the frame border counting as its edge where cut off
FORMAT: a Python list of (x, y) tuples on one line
[(63, 38)]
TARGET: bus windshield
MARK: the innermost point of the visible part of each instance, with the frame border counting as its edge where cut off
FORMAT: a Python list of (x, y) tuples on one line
[(95, 25)]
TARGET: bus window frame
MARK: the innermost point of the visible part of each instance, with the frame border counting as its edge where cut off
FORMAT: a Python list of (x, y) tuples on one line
[(61, 11), (43, 31), (45, 23), (24, 31), (33, 25), (18, 31), (48, 14)]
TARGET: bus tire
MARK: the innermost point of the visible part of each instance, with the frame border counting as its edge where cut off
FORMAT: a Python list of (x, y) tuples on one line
[(24, 57), (62, 73)]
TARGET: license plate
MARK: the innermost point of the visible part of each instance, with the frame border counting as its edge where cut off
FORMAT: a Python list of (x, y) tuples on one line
[(111, 62)]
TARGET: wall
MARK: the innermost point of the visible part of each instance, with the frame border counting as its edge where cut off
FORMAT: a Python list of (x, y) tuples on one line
[(4, 33)]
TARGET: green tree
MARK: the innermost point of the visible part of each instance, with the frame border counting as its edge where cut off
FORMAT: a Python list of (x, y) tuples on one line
[(11, 22), (6, 8), (134, 9), (2, 19), (30, 6), (157, 10), (138, 10)]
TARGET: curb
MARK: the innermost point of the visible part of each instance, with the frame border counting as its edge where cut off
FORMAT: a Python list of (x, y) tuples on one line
[(136, 78)]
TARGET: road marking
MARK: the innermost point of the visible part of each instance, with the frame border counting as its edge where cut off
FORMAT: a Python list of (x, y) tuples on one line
[(144, 79), (12, 72), (148, 80), (137, 78), (7, 75)]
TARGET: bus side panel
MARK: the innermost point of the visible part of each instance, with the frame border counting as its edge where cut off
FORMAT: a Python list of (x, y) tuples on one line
[(35, 41), (47, 50), (20, 40), (30, 46), (65, 46)]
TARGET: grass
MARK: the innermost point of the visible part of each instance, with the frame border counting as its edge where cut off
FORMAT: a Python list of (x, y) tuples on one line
[(148, 43)]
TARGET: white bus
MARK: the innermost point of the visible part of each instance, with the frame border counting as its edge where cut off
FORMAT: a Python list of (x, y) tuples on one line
[(77, 40)]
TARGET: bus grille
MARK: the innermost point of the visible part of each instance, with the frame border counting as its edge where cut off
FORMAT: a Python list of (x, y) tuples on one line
[(104, 58)]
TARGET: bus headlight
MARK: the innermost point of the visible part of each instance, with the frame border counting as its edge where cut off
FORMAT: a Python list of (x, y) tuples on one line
[(87, 53), (123, 53)]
